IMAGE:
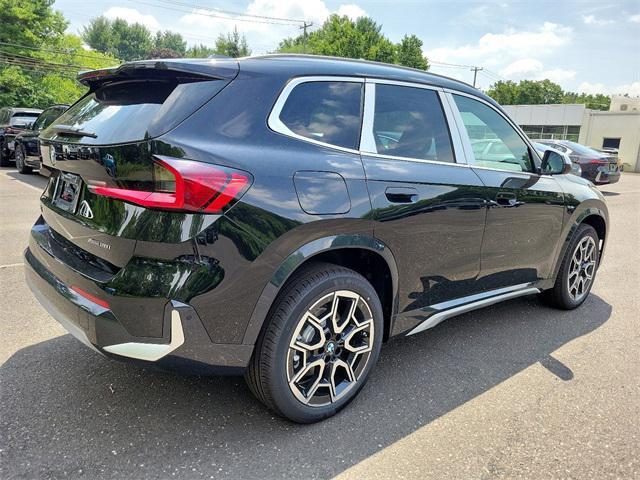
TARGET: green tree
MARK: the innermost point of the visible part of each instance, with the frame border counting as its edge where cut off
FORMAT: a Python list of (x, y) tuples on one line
[(30, 22), (505, 92), (526, 92), (170, 41), (363, 38), (598, 101), (232, 45), (410, 53), (118, 38), (200, 51)]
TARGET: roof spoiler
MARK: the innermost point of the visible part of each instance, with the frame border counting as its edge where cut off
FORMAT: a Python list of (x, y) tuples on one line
[(213, 68)]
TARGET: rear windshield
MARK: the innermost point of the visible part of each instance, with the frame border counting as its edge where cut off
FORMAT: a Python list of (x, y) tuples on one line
[(130, 111), (23, 119), (582, 150)]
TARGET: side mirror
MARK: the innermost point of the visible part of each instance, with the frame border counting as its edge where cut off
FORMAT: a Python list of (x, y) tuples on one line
[(555, 163)]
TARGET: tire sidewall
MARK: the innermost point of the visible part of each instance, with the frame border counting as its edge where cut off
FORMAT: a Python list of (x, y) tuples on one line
[(281, 393), (584, 231)]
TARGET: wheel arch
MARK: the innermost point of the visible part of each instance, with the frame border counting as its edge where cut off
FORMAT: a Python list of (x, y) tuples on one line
[(362, 253), (593, 215)]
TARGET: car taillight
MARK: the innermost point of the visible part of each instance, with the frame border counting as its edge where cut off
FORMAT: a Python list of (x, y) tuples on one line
[(185, 185), (12, 131), (597, 161)]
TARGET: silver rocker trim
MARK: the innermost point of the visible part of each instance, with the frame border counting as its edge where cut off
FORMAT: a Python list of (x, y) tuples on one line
[(438, 317), (152, 351)]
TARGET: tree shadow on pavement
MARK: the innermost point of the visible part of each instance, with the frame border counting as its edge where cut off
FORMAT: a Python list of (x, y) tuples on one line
[(69, 412)]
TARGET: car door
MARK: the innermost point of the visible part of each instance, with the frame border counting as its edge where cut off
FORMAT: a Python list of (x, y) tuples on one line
[(428, 205), (525, 209)]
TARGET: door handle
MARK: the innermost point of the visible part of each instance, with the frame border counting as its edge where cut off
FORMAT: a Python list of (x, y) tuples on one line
[(507, 199), (401, 194)]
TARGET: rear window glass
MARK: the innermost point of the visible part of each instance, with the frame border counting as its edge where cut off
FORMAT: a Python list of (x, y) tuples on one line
[(329, 112), (132, 110), (23, 119)]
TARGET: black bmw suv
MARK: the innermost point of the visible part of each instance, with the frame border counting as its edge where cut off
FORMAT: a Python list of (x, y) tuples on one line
[(283, 216)]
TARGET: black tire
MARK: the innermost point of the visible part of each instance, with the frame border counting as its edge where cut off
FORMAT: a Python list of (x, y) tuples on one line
[(560, 295), (267, 374), (4, 159), (20, 165)]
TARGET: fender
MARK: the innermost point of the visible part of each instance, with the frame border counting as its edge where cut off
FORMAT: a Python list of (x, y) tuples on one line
[(574, 219), (304, 253)]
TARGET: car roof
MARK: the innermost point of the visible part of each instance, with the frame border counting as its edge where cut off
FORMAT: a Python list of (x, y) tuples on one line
[(296, 65), (299, 65)]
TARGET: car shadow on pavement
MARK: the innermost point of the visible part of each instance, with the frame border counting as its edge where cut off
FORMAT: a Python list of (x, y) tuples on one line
[(69, 412), (34, 179)]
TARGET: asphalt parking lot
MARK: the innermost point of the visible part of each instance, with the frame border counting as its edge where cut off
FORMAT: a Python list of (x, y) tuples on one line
[(516, 390)]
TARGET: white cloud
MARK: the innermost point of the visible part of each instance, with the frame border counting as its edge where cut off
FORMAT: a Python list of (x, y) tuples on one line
[(261, 36), (635, 18), (533, 69), (352, 11), (132, 15), (593, 20), (495, 48), (632, 89), (522, 66)]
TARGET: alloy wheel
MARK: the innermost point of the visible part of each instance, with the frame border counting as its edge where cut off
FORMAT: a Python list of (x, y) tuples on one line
[(330, 348), (582, 268), (19, 159)]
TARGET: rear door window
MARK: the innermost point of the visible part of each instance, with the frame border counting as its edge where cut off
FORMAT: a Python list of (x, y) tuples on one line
[(328, 112), (409, 122)]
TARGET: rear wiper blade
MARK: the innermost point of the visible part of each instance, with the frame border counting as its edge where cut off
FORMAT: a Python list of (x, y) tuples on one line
[(73, 131)]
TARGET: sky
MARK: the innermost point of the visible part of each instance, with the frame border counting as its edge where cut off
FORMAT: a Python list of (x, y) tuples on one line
[(585, 46)]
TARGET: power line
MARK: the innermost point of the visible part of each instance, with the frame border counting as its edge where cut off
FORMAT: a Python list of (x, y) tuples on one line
[(56, 51), (213, 14), (228, 12)]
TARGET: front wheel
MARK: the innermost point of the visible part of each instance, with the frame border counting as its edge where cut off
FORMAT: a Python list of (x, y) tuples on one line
[(20, 162), (322, 339), (577, 271)]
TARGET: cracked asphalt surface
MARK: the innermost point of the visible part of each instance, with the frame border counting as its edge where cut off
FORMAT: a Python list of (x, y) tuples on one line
[(516, 390)]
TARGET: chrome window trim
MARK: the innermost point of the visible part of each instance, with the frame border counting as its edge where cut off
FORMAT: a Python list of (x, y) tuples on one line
[(367, 142), (518, 130), (275, 124)]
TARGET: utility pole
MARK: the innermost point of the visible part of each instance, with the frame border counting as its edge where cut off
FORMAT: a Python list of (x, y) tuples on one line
[(304, 26), (475, 71)]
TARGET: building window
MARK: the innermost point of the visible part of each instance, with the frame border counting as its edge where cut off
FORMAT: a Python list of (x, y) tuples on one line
[(611, 143)]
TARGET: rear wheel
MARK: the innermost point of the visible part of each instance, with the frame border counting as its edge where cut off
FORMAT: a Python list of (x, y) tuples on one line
[(577, 271), (20, 163), (321, 341)]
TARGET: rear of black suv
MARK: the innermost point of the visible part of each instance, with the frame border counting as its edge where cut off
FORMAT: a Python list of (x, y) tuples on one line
[(131, 231)]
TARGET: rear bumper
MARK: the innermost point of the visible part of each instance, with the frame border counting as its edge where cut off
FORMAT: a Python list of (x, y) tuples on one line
[(185, 345), (604, 176)]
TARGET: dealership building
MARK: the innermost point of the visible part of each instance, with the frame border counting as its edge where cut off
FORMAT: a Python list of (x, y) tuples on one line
[(618, 128)]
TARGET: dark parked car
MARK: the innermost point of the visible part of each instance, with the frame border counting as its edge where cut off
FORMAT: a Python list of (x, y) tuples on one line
[(541, 148), (599, 167), (27, 146), (13, 121), (283, 216)]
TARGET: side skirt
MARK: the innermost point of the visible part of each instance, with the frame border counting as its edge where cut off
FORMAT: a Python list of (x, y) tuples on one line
[(473, 302)]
